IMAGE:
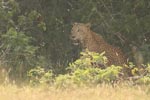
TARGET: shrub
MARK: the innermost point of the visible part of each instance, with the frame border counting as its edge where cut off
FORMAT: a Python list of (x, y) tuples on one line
[(39, 76), (144, 77), (88, 70)]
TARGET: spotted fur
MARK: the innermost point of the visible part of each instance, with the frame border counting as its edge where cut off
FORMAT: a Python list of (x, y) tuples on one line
[(81, 33)]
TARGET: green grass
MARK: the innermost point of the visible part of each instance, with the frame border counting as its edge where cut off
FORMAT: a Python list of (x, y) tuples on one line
[(103, 92)]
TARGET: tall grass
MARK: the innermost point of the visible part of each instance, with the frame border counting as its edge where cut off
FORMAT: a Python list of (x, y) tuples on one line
[(103, 92)]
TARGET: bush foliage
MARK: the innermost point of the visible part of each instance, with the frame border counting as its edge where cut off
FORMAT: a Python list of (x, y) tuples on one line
[(39, 76), (89, 70), (85, 71)]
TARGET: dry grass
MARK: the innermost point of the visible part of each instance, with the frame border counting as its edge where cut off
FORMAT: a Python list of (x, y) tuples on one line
[(103, 92)]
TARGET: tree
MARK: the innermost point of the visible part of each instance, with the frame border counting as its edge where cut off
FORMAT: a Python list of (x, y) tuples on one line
[(17, 43)]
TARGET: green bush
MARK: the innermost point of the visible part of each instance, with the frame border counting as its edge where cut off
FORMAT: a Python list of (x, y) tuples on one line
[(39, 76), (144, 77), (88, 70), (88, 60), (63, 81)]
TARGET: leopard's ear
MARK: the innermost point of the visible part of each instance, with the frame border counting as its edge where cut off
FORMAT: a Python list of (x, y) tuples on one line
[(88, 25)]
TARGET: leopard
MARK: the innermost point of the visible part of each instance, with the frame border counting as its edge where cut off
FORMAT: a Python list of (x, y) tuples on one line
[(82, 34)]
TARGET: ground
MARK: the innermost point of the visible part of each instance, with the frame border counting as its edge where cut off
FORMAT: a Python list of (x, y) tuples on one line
[(103, 92)]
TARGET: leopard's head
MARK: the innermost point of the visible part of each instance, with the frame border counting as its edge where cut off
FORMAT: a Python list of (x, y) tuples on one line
[(79, 32)]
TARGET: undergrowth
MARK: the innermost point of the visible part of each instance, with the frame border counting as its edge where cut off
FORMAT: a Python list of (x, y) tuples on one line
[(90, 70)]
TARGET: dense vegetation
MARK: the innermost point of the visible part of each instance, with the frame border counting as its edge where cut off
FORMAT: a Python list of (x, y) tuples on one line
[(34, 38)]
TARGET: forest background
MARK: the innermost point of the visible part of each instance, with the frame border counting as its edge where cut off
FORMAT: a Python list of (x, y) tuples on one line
[(37, 32)]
